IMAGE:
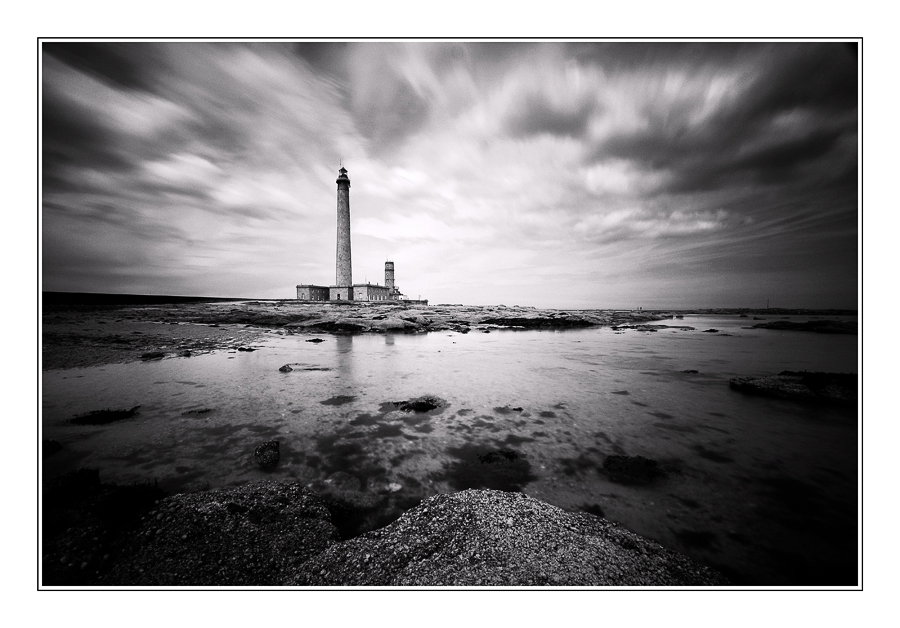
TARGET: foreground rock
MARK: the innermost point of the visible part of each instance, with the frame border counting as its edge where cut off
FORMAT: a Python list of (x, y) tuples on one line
[(816, 387), (493, 538), (253, 535), (279, 533)]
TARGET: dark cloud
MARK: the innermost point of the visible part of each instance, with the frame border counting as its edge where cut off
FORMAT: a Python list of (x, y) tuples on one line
[(538, 115), (741, 144), (73, 134), (644, 56), (389, 116), (324, 56), (777, 163), (822, 77), (128, 65)]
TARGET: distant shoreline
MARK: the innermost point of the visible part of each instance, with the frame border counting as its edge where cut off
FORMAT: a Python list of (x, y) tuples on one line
[(54, 299)]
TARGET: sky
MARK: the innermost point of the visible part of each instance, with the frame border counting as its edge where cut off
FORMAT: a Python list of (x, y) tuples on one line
[(552, 174)]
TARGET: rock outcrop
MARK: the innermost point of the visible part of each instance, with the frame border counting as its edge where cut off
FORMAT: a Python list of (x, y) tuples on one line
[(494, 538), (257, 534), (280, 533), (819, 327), (816, 387)]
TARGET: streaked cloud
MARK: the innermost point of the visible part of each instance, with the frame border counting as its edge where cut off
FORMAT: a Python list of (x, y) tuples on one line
[(552, 174)]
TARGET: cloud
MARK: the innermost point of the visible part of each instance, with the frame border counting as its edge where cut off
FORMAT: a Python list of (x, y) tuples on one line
[(475, 166)]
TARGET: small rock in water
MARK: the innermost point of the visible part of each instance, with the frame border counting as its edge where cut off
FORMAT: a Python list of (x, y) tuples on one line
[(420, 404), (267, 455), (631, 469), (101, 417), (286, 368)]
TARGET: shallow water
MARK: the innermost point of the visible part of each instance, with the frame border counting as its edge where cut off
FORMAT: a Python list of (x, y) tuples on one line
[(764, 489)]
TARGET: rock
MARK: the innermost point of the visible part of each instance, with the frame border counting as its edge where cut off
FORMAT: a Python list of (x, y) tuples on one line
[(631, 469), (267, 455), (536, 322), (643, 327), (102, 417), (692, 371), (286, 368), (710, 331), (153, 355), (496, 538), (246, 349), (253, 535), (805, 386), (420, 404), (817, 326), (196, 412), (316, 340), (394, 324)]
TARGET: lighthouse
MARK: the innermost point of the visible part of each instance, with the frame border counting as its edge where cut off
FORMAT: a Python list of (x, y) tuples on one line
[(344, 290), (344, 275)]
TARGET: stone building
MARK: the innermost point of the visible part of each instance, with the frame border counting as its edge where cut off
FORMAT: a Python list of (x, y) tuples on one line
[(344, 289), (309, 292)]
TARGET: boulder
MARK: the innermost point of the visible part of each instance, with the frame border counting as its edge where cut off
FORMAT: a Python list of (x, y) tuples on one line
[(253, 535), (497, 538), (267, 455)]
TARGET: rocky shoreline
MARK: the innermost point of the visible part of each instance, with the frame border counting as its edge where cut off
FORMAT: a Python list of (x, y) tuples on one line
[(89, 335), (277, 534)]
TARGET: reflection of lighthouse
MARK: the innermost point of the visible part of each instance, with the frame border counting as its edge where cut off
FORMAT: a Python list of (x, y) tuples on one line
[(344, 277)]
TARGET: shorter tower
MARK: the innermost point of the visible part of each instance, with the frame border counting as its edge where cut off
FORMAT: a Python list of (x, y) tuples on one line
[(393, 289), (389, 276)]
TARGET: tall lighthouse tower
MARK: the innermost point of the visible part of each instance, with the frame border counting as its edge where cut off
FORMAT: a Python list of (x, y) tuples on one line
[(344, 276)]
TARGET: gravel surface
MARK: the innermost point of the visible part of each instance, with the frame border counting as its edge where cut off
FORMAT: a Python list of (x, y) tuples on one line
[(280, 534), (494, 538), (253, 535)]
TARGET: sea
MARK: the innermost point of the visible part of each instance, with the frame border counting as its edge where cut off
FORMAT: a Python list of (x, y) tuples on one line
[(765, 490)]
